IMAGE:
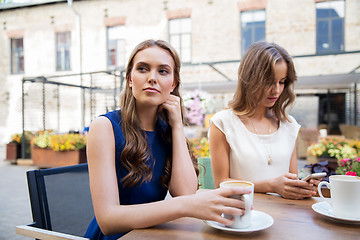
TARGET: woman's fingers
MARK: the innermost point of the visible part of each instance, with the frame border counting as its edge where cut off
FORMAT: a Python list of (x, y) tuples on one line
[(233, 191), (217, 202), (295, 192), (232, 211), (172, 105), (293, 188), (222, 220)]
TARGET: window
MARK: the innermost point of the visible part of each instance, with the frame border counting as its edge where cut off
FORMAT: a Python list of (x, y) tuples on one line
[(252, 28), (17, 55), (116, 47), (330, 26), (63, 44), (180, 37)]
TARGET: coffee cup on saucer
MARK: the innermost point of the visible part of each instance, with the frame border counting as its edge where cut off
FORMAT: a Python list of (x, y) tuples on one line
[(241, 221), (345, 195)]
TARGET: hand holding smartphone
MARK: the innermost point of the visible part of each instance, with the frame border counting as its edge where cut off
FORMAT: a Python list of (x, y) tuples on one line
[(314, 176)]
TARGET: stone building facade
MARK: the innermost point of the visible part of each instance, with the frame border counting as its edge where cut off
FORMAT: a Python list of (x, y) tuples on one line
[(215, 48)]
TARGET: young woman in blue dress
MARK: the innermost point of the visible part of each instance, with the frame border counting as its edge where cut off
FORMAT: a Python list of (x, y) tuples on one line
[(138, 153)]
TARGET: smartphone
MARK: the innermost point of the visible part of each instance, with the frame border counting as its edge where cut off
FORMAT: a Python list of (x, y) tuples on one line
[(314, 176)]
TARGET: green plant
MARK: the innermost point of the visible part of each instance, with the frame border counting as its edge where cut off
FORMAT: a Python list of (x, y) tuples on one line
[(349, 167)]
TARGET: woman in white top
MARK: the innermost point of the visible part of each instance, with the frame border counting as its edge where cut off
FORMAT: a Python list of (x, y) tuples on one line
[(255, 139)]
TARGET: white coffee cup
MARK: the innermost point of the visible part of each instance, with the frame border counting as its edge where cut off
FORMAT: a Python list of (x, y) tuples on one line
[(345, 195), (243, 221)]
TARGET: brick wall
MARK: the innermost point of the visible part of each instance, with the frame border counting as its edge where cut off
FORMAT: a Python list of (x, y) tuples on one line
[(215, 37)]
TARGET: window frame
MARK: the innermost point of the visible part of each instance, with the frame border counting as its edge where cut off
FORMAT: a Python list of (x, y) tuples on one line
[(330, 20), (62, 49), (17, 57), (252, 28), (116, 54), (181, 50)]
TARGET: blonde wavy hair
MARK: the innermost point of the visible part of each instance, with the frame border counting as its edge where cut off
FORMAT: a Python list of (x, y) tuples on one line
[(136, 150), (256, 75)]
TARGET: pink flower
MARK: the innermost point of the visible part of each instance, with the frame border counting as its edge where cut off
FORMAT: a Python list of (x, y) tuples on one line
[(351, 173), (343, 162)]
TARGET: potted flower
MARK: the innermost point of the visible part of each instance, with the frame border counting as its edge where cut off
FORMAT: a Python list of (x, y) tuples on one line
[(200, 150), (332, 149), (197, 104), (13, 148), (342, 154), (349, 166), (55, 150)]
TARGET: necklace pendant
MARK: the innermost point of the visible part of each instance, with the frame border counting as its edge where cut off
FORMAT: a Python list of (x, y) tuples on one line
[(269, 161)]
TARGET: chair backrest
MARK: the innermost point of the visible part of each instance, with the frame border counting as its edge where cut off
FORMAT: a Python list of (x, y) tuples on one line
[(206, 179), (60, 199), (350, 131)]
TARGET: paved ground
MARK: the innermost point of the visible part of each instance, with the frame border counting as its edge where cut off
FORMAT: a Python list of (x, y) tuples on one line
[(14, 199)]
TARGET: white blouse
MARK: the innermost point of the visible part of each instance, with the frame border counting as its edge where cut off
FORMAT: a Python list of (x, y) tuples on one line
[(249, 152)]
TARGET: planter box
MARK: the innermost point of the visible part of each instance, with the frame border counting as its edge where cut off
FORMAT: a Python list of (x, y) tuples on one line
[(48, 158), (13, 151)]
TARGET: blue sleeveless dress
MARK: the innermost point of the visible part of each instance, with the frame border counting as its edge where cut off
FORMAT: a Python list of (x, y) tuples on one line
[(142, 193)]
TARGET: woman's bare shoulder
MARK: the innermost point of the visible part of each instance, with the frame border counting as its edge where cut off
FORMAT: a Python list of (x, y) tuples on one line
[(100, 123)]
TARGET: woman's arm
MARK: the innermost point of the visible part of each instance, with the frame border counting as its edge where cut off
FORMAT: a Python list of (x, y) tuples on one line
[(183, 176), (220, 155), (114, 218), (293, 162)]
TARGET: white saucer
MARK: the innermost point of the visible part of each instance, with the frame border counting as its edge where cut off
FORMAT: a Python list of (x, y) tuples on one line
[(259, 221), (325, 209)]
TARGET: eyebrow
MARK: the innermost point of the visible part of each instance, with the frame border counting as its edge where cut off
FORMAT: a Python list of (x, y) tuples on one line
[(147, 65), (142, 63)]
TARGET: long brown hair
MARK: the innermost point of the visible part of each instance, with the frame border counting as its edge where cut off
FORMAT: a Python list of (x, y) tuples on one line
[(136, 151), (256, 75)]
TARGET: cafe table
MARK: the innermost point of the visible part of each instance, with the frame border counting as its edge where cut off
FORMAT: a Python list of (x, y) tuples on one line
[(293, 219)]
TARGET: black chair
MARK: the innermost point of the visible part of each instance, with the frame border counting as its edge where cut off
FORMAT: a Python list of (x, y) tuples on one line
[(60, 202)]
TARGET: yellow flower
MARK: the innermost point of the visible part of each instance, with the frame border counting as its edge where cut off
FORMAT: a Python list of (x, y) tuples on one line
[(200, 147), (67, 142), (60, 142), (337, 147)]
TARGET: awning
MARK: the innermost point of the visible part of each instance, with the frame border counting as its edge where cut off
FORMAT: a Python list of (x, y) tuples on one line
[(322, 82)]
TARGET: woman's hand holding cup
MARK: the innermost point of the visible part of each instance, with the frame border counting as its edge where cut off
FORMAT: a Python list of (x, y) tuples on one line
[(240, 220), (214, 204)]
